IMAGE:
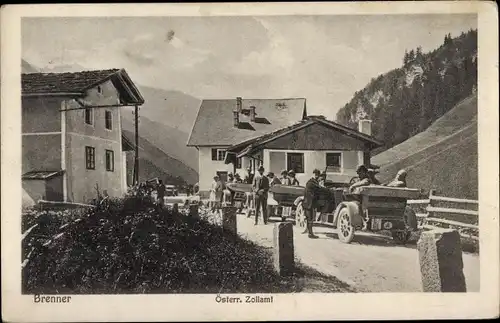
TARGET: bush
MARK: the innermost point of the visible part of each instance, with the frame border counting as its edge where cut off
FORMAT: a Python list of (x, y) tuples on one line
[(127, 246)]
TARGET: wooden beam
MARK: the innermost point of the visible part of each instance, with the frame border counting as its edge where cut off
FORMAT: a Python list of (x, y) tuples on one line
[(136, 160)]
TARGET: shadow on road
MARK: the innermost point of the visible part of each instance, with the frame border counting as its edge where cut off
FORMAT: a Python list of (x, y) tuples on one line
[(373, 240)]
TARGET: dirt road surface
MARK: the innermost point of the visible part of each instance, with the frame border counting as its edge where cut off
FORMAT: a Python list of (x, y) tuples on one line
[(371, 263)]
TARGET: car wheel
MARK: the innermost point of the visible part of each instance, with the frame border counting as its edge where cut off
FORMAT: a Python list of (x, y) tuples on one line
[(410, 218), (344, 226), (401, 237), (300, 216)]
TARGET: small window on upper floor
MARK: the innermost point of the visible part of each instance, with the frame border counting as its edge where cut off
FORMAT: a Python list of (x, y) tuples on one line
[(99, 89), (218, 154), (110, 161), (108, 120), (89, 116)]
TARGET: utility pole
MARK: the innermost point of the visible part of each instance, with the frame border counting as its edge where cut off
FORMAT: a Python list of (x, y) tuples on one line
[(136, 161)]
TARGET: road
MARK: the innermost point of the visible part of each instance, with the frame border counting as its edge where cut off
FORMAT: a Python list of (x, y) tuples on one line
[(371, 263)]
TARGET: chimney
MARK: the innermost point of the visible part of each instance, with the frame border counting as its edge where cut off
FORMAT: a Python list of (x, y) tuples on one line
[(236, 116), (252, 114), (238, 104), (365, 126)]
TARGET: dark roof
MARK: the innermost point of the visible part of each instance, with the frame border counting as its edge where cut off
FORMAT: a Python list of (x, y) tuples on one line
[(77, 84), (127, 145), (128, 142), (250, 145), (214, 124), (42, 174)]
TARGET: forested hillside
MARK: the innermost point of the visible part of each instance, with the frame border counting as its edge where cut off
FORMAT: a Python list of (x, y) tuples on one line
[(405, 101)]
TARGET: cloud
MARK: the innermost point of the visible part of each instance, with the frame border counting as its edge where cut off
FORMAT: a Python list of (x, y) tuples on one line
[(143, 37), (139, 58)]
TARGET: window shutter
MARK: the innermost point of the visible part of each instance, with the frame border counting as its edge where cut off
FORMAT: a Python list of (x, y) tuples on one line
[(214, 153)]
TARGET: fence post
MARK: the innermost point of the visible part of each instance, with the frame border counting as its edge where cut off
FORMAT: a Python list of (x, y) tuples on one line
[(194, 210), (441, 264), (229, 220)]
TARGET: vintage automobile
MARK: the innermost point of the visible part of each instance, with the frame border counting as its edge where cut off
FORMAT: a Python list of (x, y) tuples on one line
[(171, 190), (370, 208), (283, 196), (239, 195)]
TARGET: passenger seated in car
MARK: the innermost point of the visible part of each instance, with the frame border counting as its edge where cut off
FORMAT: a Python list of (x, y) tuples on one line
[(371, 175), (400, 180), (364, 178)]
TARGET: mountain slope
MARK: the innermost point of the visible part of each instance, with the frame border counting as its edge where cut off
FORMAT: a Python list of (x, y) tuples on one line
[(153, 162), (407, 100), (170, 140), (172, 108), (443, 157)]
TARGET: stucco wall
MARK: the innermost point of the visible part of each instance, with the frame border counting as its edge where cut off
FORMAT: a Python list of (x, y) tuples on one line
[(41, 115), (41, 152), (75, 119), (82, 182), (208, 168), (312, 159)]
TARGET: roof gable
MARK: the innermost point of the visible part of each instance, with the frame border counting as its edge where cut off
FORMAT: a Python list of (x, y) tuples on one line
[(214, 125), (256, 143), (78, 83)]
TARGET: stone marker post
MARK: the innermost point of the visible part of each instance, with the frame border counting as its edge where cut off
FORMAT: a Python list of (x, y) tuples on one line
[(441, 264), (229, 220), (283, 251), (194, 210)]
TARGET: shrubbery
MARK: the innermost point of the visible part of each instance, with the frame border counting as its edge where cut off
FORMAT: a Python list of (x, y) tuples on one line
[(129, 247)]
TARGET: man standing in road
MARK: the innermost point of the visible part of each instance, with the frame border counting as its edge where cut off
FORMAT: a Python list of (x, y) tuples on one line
[(160, 193), (249, 176), (311, 195), (260, 187)]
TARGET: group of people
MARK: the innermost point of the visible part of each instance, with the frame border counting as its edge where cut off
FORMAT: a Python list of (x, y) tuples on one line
[(313, 189), (261, 185), (367, 177)]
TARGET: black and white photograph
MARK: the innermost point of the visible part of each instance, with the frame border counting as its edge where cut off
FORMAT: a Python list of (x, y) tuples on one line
[(245, 158)]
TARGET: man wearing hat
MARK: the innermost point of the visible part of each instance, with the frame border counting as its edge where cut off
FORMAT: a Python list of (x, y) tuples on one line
[(311, 194), (249, 176), (284, 179), (273, 180), (364, 178), (260, 188), (237, 178), (293, 180), (400, 180)]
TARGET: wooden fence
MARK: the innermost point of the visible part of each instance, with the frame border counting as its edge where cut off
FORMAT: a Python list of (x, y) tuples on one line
[(446, 212)]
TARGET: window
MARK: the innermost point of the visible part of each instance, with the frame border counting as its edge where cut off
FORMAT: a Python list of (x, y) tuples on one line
[(110, 160), (89, 116), (218, 154), (90, 157), (99, 89), (334, 162), (238, 162), (295, 161), (221, 153), (109, 120)]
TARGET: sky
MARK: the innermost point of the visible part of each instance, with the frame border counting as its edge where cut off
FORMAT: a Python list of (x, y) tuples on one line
[(322, 58)]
